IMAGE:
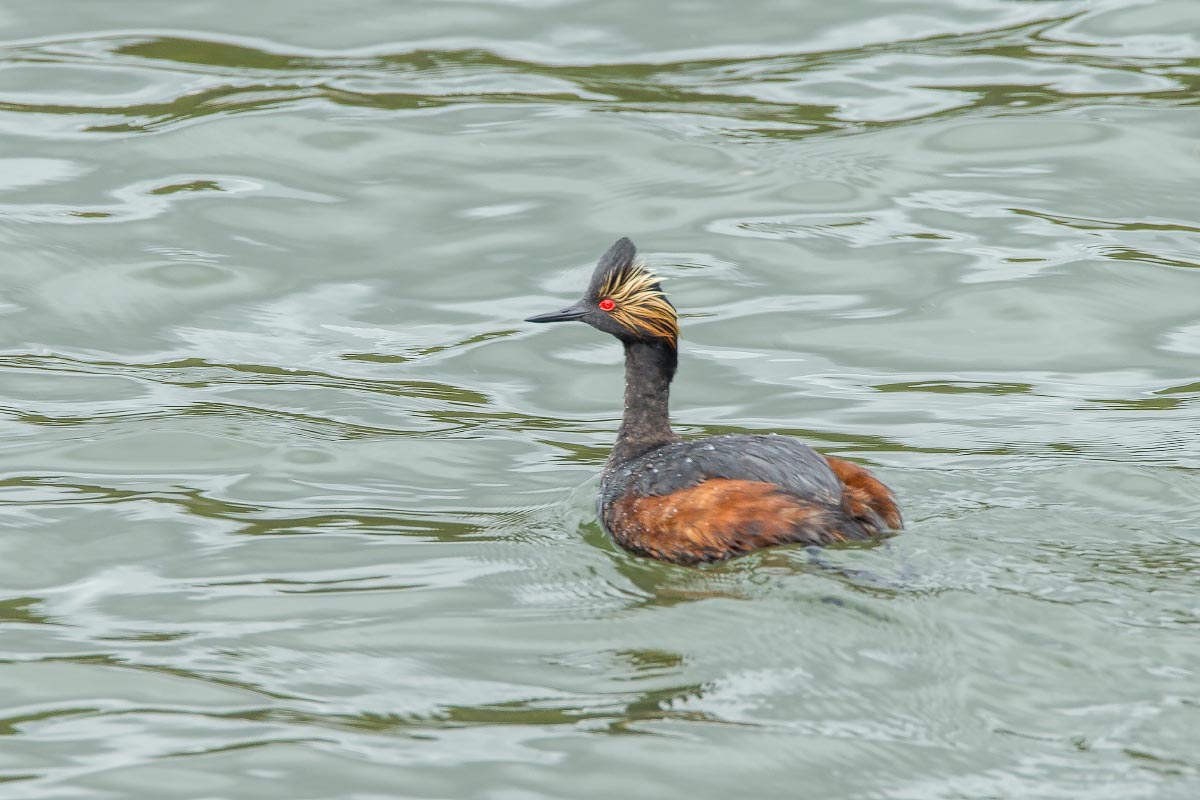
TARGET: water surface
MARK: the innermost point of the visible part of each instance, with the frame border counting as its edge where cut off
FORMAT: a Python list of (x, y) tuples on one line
[(293, 505)]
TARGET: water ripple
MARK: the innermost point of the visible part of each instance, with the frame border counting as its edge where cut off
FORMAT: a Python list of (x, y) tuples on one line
[(842, 89)]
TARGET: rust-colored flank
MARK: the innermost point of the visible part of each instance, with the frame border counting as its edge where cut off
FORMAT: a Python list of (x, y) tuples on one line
[(717, 519), (865, 496)]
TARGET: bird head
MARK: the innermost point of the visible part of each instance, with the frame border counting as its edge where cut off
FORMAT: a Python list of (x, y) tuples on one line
[(623, 299)]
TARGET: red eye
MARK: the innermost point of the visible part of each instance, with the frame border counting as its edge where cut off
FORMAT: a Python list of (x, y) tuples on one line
[(607, 304)]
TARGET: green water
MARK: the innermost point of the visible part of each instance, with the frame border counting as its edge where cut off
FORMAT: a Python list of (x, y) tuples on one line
[(293, 505)]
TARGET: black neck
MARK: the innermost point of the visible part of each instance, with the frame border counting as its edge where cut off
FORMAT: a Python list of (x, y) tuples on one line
[(646, 424)]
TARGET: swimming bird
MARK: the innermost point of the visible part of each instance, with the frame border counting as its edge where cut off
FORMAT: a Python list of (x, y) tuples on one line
[(703, 500)]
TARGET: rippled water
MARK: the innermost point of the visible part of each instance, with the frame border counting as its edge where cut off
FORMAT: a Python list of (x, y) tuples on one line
[(294, 505)]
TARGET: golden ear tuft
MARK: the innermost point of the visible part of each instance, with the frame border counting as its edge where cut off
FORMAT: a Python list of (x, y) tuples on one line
[(640, 305)]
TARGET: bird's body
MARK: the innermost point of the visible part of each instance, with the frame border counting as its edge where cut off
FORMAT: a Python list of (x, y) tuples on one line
[(709, 499)]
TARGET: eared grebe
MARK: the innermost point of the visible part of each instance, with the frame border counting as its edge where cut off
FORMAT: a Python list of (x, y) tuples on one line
[(709, 499)]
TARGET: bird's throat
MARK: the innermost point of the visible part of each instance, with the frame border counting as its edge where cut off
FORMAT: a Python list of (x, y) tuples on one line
[(646, 423)]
